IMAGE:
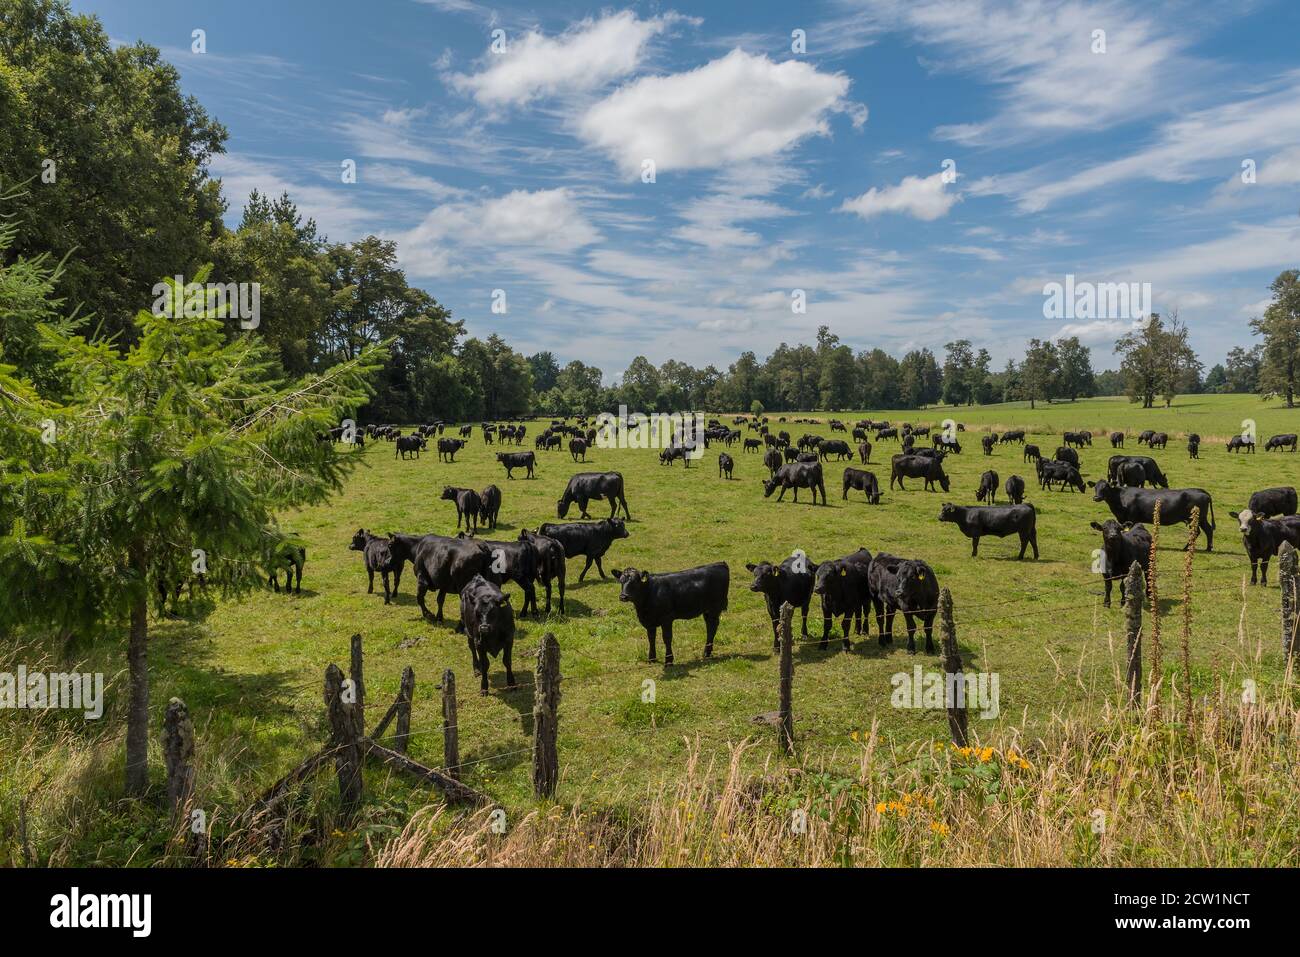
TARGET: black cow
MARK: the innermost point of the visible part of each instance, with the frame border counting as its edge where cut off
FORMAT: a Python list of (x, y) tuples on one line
[(290, 558), (1274, 501), (578, 449), (889, 433), (490, 505), (589, 539), (908, 586), (517, 562), (796, 476), (378, 554), (988, 487), (1264, 536), (1117, 440), (663, 598), (446, 565), (988, 441), (549, 563), (945, 444), (1015, 489), (864, 452), (835, 447), (917, 466), (844, 585), (409, 445), (1158, 440), (976, 521), (1063, 473), (489, 625), (447, 449), (1015, 435), (791, 581), (1150, 469), (1066, 454), (1138, 505), (863, 481), (589, 486), (1239, 442), (468, 505), (772, 459), (1193, 448), (1282, 442), (1120, 548), (751, 445), (517, 460), (1032, 454), (674, 452), (1145, 435), (1074, 439), (725, 464), (1131, 474)]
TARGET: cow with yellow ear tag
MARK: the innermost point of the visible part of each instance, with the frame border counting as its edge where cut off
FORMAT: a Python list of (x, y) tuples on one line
[(845, 592), (908, 586), (791, 581), (488, 622)]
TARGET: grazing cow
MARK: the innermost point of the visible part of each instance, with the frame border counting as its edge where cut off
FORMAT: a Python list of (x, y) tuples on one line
[(578, 448), (589, 486), (1193, 449), (791, 454), (1063, 473), (445, 565), (1117, 440), (468, 505), (548, 560), (844, 586), (1015, 488), (1032, 454), (1120, 548), (1145, 435), (291, 558), (663, 598), (1154, 476), (1264, 536), (1015, 435), (554, 441), (409, 445), (378, 554), (447, 449), (1132, 474), (908, 586), (889, 433), (751, 445), (1074, 439), (488, 623), (864, 452), (490, 505), (1274, 501), (988, 487), (988, 442), (1066, 454), (976, 521), (517, 460), (1239, 442), (726, 463), (588, 539), (925, 467), (835, 447), (810, 457), (1138, 505), (859, 434), (945, 444), (1282, 442), (791, 581), (772, 459), (674, 452), (1158, 440), (466, 431), (864, 482), (796, 476)]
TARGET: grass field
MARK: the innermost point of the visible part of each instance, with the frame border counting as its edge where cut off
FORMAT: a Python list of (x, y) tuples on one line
[(251, 670)]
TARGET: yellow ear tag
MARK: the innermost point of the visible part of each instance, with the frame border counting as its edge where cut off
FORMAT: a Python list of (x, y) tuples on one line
[(775, 572), (920, 576), (645, 576), (844, 571), (503, 602)]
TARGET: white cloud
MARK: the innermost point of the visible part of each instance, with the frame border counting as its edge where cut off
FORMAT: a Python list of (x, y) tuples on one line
[(818, 192), (330, 205), (737, 108), (401, 177), (924, 199), (986, 253), (585, 57)]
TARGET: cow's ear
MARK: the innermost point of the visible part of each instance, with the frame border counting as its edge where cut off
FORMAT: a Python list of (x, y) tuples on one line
[(618, 572), (645, 576), (1092, 485), (776, 572), (750, 566), (1096, 525), (1234, 514)]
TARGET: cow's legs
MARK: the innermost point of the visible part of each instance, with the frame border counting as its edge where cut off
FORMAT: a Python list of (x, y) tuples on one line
[(442, 596), (384, 577), (371, 589), (710, 630), (974, 546), (889, 625), (1033, 541), (650, 636), (505, 660), (911, 634), (421, 590), (599, 567), (668, 642), (928, 618), (803, 629), (1106, 601), (585, 568)]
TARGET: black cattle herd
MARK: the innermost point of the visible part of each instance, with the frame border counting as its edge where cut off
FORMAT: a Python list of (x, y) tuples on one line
[(849, 588)]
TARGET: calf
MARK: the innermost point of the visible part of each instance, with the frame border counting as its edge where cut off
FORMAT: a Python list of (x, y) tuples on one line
[(976, 521), (772, 459), (1274, 501), (917, 466), (378, 554), (468, 505), (1281, 442), (864, 482), (589, 539), (549, 563), (799, 475), (1015, 489), (578, 448), (290, 558), (988, 442), (1031, 453), (988, 487), (908, 586), (1138, 505), (791, 581), (589, 486), (490, 505), (1120, 548), (517, 460), (661, 599), (447, 448), (864, 452), (1066, 454), (725, 464), (844, 585), (1264, 536), (1117, 440), (489, 626)]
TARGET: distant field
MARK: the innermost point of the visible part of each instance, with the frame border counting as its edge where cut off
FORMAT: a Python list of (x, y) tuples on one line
[(251, 671)]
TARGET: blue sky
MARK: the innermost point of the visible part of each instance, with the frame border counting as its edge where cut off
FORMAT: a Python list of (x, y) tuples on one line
[(774, 170)]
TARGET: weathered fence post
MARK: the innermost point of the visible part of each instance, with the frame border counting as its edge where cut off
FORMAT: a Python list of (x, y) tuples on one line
[(359, 685), (1194, 528), (1286, 576), (1134, 590), (178, 753), (450, 736), (954, 679), (1153, 593), (546, 705), (786, 714), (405, 695), (344, 741)]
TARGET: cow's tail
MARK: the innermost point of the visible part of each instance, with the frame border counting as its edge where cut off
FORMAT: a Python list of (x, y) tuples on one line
[(1211, 511)]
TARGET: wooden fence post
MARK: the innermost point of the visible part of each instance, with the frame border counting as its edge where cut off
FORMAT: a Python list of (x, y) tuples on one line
[(953, 676), (1134, 595), (359, 684), (178, 753), (786, 713), (546, 704), (344, 741), (405, 695), (1286, 576), (450, 735)]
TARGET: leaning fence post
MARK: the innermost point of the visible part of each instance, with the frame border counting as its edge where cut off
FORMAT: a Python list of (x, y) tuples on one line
[(450, 736), (954, 680), (359, 685), (546, 706), (343, 740), (1134, 593), (1286, 576), (405, 694), (178, 753), (786, 714)]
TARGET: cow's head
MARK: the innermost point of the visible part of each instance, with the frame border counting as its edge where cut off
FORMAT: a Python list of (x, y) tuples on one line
[(562, 507), (914, 582), (1247, 520), (1112, 532), (449, 493), (948, 511), (358, 540), (492, 609), (767, 577), (828, 577), (769, 486), (632, 583), (617, 527), (1100, 488), (943, 480)]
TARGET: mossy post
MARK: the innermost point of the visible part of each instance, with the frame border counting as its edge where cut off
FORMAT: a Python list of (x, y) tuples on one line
[(178, 754), (344, 741), (358, 684), (786, 712), (450, 736), (405, 694), (954, 680), (1134, 590), (1286, 575), (546, 707)]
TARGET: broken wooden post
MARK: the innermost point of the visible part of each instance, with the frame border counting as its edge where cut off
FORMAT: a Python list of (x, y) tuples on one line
[(954, 680), (786, 706), (1287, 577), (1134, 594), (359, 685), (178, 753), (405, 695), (343, 741), (546, 706), (450, 736)]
